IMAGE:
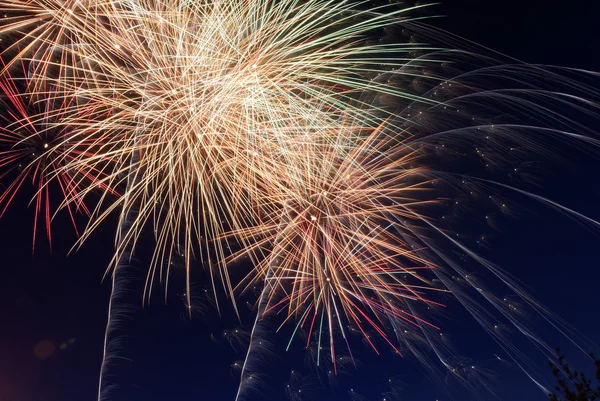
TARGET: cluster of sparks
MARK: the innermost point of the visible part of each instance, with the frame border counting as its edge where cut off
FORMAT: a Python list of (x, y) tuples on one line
[(230, 122), (234, 129)]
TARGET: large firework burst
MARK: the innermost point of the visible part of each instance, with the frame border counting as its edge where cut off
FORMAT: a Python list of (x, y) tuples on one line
[(293, 134)]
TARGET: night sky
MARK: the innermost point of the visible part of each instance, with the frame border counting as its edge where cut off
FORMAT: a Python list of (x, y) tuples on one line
[(54, 308)]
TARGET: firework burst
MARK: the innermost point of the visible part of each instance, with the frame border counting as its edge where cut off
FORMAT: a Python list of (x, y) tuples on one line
[(289, 133), (216, 99), (33, 153)]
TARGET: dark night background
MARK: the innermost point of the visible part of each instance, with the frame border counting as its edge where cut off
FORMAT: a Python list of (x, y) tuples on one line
[(50, 297)]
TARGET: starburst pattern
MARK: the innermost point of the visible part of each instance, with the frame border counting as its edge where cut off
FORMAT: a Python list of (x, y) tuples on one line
[(292, 134)]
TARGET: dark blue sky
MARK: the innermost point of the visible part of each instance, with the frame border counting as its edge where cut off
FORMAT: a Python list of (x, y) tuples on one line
[(62, 300)]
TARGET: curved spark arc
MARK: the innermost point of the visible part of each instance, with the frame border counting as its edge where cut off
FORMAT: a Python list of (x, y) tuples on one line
[(254, 337)]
